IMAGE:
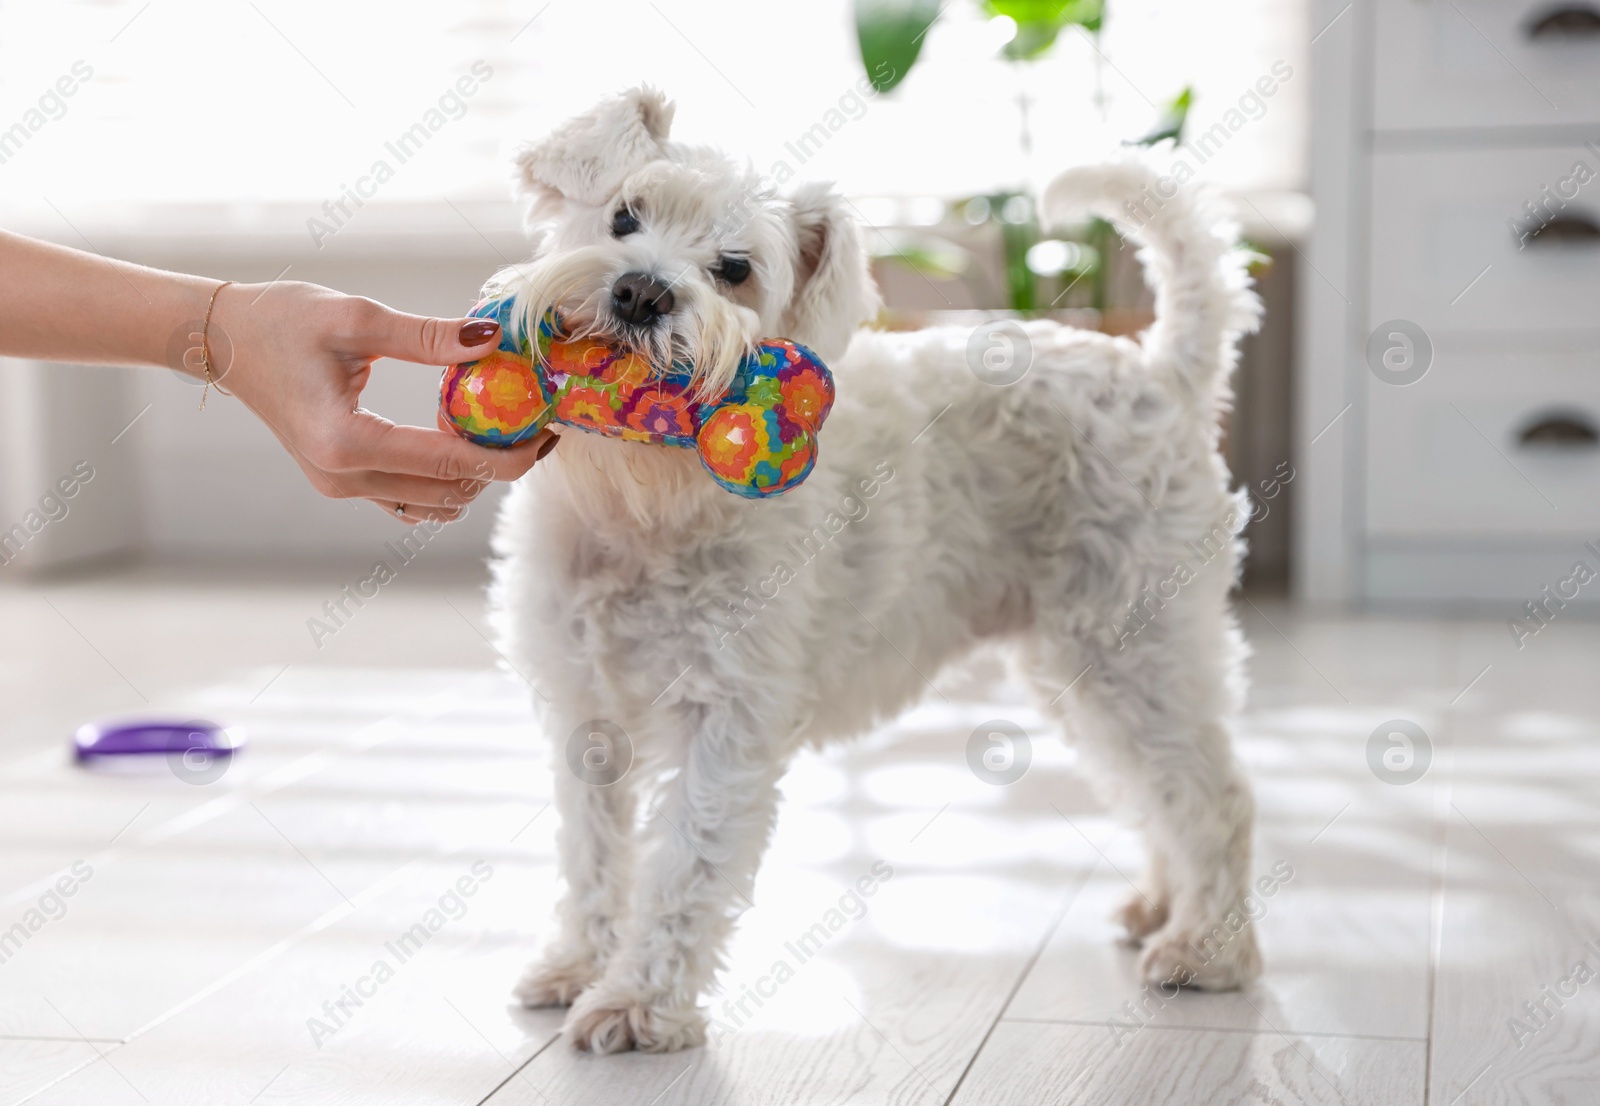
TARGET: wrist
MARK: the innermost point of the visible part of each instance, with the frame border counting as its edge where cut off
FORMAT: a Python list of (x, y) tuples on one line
[(194, 333)]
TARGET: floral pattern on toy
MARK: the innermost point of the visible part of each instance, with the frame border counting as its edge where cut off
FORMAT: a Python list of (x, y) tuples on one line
[(616, 392), (498, 400), (758, 439), (761, 439)]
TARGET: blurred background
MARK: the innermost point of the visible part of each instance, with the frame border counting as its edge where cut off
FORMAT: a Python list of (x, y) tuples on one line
[(240, 140)]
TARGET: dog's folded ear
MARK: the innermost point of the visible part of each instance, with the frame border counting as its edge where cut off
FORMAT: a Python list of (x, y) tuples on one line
[(834, 292), (587, 158)]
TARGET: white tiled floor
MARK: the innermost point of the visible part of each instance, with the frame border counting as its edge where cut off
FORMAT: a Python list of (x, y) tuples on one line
[(194, 963)]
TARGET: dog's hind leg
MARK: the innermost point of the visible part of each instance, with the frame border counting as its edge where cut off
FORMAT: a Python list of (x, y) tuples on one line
[(704, 838), (1106, 762), (1154, 736), (595, 799)]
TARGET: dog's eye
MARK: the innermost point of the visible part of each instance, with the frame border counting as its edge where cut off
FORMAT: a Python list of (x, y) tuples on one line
[(734, 270), (623, 223)]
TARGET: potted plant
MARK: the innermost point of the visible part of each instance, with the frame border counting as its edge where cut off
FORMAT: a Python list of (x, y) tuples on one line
[(1072, 272)]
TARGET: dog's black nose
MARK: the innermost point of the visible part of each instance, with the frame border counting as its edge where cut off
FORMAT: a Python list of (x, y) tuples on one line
[(640, 299)]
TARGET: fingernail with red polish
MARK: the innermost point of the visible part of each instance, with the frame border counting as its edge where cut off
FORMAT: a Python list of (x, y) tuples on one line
[(546, 447), (478, 331)]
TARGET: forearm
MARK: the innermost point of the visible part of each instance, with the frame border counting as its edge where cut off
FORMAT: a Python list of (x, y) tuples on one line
[(60, 304)]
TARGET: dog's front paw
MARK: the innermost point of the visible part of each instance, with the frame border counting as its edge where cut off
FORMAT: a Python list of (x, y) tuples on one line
[(1214, 959), (1140, 915), (555, 981), (604, 1020)]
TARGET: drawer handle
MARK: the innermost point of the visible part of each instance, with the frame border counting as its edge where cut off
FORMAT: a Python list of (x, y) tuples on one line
[(1559, 430), (1566, 230), (1566, 21)]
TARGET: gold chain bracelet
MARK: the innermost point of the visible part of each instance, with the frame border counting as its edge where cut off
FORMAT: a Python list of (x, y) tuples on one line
[(205, 345)]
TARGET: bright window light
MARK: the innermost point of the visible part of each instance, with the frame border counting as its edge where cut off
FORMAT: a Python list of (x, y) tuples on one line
[(305, 102)]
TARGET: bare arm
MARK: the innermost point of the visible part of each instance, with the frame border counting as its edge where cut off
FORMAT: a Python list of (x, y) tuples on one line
[(298, 355), (58, 304)]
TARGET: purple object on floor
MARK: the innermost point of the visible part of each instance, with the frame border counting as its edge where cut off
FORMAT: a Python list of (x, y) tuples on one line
[(155, 735)]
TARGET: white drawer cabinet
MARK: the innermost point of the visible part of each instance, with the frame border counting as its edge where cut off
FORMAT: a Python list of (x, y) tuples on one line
[(1455, 247), (1456, 173), (1485, 63), (1499, 440)]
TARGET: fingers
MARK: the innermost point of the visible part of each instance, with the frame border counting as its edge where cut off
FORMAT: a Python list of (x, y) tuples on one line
[(418, 491), (413, 513), (430, 504), (426, 341), (442, 455)]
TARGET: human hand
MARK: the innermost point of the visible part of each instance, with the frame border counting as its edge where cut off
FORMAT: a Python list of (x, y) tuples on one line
[(298, 355)]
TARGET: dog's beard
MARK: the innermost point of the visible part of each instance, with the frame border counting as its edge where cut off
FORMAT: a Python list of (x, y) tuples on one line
[(704, 331)]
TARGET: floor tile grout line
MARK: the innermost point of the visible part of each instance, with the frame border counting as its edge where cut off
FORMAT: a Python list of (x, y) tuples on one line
[(1294, 1047), (1084, 1022), (520, 1068), (68, 1074), (100, 1055), (1022, 976)]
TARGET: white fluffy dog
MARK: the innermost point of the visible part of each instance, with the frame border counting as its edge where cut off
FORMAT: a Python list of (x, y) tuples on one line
[(1081, 513)]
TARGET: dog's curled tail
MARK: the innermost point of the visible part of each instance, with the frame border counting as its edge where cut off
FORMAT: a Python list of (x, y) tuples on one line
[(1192, 260)]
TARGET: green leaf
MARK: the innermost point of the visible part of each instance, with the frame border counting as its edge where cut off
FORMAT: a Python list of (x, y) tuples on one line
[(1171, 123), (1088, 14), (891, 33), (1031, 41)]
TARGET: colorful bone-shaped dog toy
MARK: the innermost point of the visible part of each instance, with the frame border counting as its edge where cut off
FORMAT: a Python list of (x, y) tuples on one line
[(756, 440)]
